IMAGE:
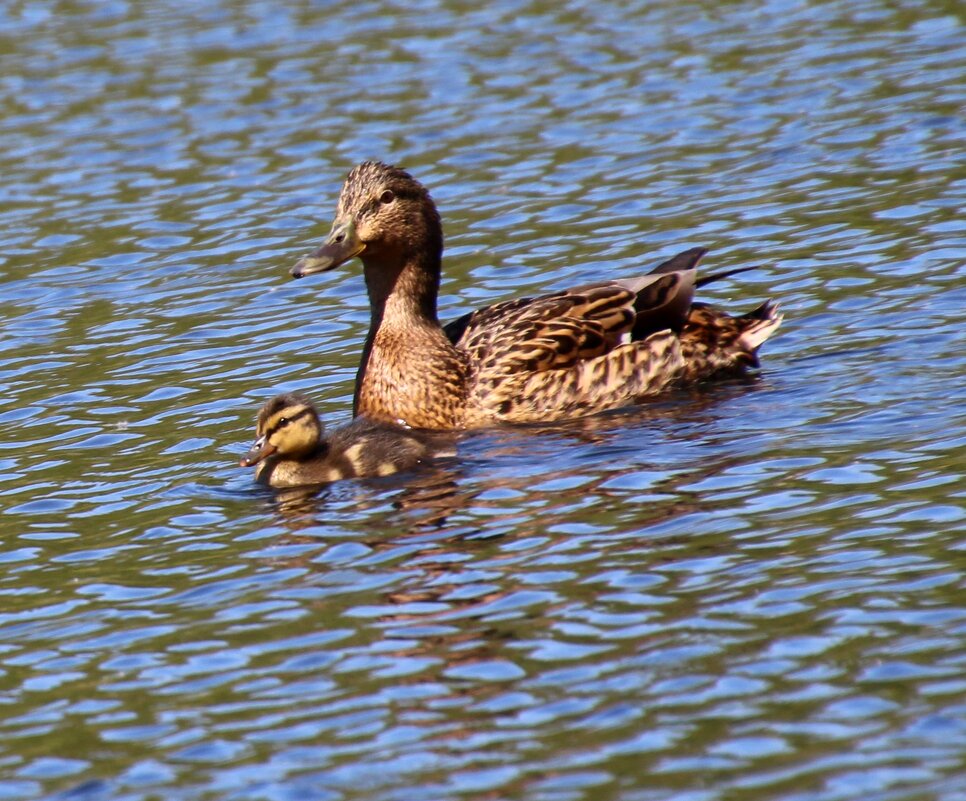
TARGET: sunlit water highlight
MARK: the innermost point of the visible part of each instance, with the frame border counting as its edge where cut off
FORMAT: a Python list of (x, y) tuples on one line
[(750, 591)]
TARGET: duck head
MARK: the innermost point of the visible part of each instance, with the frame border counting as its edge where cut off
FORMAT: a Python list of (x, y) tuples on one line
[(289, 426), (384, 216)]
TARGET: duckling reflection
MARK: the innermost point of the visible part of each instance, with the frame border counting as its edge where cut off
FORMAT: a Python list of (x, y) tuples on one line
[(418, 501), (293, 450)]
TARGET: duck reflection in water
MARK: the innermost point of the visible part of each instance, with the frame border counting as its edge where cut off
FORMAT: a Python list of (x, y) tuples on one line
[(536, 489)]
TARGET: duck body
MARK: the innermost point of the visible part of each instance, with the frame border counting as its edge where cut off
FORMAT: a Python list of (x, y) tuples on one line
[(560, 355), (293, 450)]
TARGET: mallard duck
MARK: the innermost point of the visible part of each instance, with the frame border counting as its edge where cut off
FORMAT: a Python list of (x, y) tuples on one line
[(292, 449), (566, 354)]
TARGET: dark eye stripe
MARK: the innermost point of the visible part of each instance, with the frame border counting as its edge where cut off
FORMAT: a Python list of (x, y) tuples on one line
[(288, 421), (372, 205)]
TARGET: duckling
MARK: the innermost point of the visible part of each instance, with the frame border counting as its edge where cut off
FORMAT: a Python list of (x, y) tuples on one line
[(565, 354), (292, 449)]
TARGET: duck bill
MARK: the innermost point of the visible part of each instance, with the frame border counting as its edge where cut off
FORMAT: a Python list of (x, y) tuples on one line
[(260, 449), (342, 245)]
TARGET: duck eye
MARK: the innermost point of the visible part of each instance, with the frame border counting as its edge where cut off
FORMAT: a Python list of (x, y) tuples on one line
[(283, 421), (387, 197)]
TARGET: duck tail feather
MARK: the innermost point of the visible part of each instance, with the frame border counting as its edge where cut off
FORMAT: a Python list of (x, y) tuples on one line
[(763, 322), (707, 279)]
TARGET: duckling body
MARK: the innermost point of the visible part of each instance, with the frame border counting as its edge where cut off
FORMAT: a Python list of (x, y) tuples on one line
[(293, 450), (566, 354)]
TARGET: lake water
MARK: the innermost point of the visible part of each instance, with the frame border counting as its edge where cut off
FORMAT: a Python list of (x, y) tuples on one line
[(752, 591)]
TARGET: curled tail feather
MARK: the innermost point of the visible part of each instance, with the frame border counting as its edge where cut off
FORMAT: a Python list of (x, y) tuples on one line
[(714, 343), (763, 322)]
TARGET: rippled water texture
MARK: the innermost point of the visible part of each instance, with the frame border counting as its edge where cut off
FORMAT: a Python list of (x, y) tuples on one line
[(752, 591)]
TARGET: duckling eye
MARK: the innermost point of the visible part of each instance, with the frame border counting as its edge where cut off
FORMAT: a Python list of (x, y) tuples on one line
[(283, 421), (387, 197)]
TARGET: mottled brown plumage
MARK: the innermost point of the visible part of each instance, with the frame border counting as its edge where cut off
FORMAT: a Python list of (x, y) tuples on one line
[(292, 450), (560, 355)]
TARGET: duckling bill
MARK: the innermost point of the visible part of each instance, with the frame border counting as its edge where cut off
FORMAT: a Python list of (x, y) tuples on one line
[(565, 354), (292, 449)]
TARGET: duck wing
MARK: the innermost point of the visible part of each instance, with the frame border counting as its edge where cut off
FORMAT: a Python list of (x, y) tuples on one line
[(602, 345), (550, 331), (584, 321)]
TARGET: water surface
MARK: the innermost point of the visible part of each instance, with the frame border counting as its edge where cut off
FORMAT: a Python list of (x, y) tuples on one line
[(753, 591)]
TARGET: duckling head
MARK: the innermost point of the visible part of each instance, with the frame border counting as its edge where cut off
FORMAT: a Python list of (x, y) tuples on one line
[(288, 425), (385, 216)]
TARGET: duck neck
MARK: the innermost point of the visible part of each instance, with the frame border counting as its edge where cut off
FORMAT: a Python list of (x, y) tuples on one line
[(402, 295), (405, 292), (318, 451)]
